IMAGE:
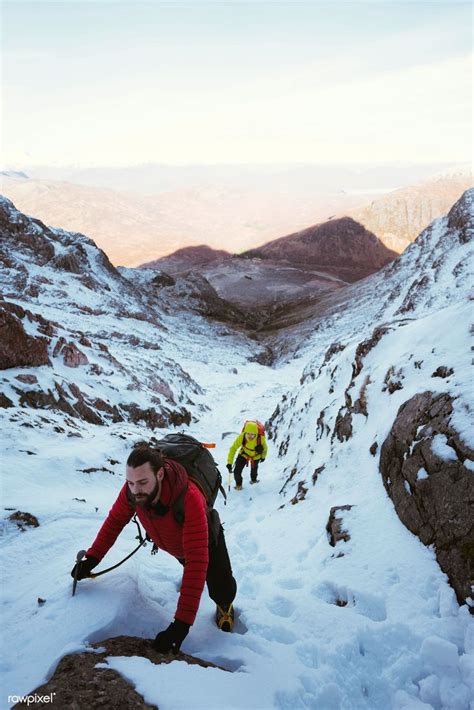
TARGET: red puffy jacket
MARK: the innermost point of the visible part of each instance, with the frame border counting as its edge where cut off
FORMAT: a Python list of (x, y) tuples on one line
[(187, 542)]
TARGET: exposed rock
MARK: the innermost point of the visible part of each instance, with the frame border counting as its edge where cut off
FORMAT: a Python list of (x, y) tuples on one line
[(365, 347), (112, 410), (158, 385), (332, 350), (5, 402), (335, 523), (392, 381), (22, 519), (66, 262), (73, 357), (415, 294), (163, 280), (373, 448), (300, 493), (316, 473), (59, 346), (17, 348), (77, 683), (293, 473), (87, 413), (264, 357), (321, 426), (28, 379), (157, 420), (433, 496), (29, 234), (343, 425), (443, 371), (460, 217), (37, 399), (85, 341)]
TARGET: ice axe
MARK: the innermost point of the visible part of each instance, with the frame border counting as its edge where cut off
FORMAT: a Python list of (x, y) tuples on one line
[(79, 557)]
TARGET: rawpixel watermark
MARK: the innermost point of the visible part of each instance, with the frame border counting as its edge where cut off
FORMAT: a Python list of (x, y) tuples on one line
[(30, 699)]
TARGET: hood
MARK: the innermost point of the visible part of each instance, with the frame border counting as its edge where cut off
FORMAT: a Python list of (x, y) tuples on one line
[(251, 428)]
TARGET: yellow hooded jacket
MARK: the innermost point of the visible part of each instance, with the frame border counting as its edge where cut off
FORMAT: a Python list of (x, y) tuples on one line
[(247, 448)]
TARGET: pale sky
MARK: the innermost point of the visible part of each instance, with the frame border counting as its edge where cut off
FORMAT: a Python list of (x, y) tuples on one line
[(258, 81)]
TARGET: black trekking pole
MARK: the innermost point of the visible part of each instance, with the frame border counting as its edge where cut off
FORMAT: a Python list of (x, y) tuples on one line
[(79, 557)]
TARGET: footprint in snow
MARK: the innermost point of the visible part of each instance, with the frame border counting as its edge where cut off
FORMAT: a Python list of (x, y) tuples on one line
[(289, 583), (280, 634), (308, 654), (248, 547), (368, 605), (281, 607)]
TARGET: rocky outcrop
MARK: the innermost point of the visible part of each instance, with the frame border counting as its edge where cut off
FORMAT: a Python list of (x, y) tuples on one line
[(72, 356), (78, 683), (335, 524), (157, 420), (422, 463), (17, 348), (22, 519)]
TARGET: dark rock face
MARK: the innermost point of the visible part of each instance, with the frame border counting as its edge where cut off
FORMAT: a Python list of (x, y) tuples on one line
[(334, 525), (460, 217), (17, 348), (433, 496), (157, 420), (77, 683), (22, 519), (341, 247)]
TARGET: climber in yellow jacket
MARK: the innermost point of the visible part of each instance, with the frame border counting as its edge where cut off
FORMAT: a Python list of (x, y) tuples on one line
[(252, 447)]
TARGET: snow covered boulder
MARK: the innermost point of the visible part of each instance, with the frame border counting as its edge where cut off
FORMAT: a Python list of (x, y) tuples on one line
[(427, 470)]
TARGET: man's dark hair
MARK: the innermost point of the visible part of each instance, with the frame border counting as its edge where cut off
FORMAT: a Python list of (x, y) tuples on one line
[(142, 453)]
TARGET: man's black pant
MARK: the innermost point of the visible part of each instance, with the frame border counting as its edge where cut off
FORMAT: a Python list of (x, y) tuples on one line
[(220, 581), (240, 462)]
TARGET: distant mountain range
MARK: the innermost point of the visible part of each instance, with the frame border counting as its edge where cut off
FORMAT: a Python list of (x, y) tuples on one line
[(242, 211)]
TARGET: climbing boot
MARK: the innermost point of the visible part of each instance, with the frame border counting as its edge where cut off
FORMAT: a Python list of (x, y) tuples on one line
[(238, 488), (225, 619), (254, 481)]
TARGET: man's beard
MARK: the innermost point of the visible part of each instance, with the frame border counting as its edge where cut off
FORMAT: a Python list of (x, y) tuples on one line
[(145, 501)]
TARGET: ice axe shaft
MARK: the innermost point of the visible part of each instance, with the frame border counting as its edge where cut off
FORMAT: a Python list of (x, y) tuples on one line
[(79, 557)]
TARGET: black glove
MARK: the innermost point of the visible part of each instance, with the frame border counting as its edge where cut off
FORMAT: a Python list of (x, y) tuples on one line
[(171, 638), (229, 467), (85, 567), (261, 461)]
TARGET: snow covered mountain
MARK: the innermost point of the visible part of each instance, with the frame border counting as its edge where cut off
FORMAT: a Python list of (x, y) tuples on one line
[(352, 592)]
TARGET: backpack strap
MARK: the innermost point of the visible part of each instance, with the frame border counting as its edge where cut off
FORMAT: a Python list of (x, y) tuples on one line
[(178, 507)]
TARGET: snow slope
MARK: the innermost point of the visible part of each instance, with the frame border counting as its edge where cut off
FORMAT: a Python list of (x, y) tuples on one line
[(370, 623)]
